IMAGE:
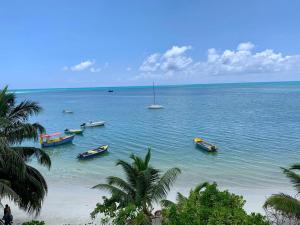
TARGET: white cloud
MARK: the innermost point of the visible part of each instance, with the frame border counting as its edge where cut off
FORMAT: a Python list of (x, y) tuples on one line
[(82, 66), (246, 46), (151, 64), (242, 61), (172, 60), (86, 65), (176, 51)]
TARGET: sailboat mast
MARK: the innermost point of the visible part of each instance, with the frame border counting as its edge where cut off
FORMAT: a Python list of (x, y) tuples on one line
[(153, 94)]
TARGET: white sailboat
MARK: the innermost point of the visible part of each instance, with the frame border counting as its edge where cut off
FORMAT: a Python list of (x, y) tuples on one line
[(154, 105)]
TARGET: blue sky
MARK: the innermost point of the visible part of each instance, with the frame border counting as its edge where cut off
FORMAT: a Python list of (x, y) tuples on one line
[(82, 43)]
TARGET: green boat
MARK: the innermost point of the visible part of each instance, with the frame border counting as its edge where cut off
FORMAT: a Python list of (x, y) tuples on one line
[(74, 131)]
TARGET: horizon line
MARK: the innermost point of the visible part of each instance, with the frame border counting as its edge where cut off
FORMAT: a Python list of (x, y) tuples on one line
[(147, 86)]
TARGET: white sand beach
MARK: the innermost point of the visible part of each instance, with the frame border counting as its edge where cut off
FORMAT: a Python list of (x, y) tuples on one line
[(72, 204)]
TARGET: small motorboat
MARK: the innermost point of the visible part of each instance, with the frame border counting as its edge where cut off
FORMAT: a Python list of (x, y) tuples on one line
[(110, 91), (93, 124), (67, 111), (205, 145), (74, 131), (92, 153), (50, 140)]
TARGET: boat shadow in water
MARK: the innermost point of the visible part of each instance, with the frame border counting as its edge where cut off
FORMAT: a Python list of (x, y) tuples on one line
[(58, 147)]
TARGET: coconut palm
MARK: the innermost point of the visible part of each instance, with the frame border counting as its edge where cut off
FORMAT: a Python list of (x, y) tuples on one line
[(143, 186), (181, 199), (20, 182), (288, 206)]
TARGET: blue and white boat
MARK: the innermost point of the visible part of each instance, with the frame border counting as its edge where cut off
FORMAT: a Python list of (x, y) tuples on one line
[(92, 153)]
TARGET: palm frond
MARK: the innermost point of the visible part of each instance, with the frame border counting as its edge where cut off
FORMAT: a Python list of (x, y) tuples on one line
[(6, 101), (147, 157), (201, 186), (6, 191), (284, 203), (294, 178), (163, 186), (180, 197), (113, 190), (138, 163), (27, 152), (295, 166), (18, 132), (23, 110), (122, 184), (31, 190), (130, 172), (11, 163), (167, 203)]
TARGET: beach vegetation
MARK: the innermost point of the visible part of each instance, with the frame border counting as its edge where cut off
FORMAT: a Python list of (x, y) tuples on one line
[(132, 198), (207, 205), (19, 181), (34, 222)]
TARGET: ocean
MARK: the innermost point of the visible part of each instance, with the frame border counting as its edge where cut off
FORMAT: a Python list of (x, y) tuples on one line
[(256, 127)]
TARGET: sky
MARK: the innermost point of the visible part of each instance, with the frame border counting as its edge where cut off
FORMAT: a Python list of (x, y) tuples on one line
[(91, 43)]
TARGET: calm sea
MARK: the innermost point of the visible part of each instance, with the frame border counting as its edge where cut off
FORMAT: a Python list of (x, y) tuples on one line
[(255, 126)]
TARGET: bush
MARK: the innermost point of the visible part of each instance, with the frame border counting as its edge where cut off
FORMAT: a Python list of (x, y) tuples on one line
[(206, 205), (34, 222)]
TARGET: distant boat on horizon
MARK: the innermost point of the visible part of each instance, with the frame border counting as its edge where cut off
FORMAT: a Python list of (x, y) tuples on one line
[(154, 105), (67, 111)]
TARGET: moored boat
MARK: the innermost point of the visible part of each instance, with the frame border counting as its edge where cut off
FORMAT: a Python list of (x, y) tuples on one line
[(154, 105), (93, 124), (74, 131), (205, 145), (94, 152), (67, 111), (50, 140)]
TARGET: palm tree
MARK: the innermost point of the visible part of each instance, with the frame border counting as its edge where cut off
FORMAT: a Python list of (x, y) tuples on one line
[(20, 182), (288, 206), (143, 186), (181, 199)]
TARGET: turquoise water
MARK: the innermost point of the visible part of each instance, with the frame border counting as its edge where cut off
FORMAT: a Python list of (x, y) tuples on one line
[(256, 127)]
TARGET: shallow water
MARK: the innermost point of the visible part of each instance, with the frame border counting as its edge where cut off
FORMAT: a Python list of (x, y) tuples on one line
[(255, 126)]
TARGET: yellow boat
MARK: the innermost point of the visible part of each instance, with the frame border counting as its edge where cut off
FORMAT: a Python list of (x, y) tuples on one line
[(74, 131), (205, 145)]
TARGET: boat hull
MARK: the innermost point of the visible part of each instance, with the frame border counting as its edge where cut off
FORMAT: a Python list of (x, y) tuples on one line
[(98, 151), (73, 132), (205, 147), (155, 107), (200, 143), (65, 140), (93, 124)]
